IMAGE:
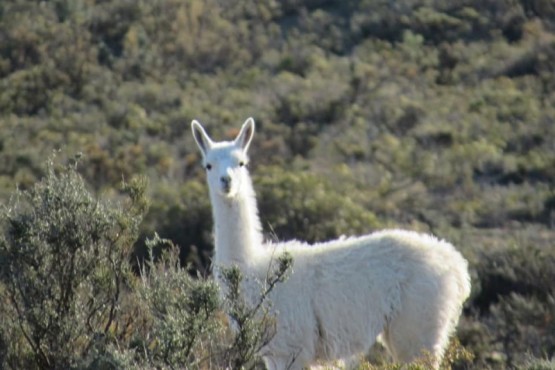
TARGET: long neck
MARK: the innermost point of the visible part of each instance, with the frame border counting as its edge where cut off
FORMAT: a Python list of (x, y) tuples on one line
[(238, 232)]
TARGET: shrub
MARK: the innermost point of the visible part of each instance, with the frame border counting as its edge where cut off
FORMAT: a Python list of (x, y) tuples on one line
[(72, 301), (254, 322), (539, 364), (176, 209), (301, 205), (184, 323), (64, 265), (182, 310)]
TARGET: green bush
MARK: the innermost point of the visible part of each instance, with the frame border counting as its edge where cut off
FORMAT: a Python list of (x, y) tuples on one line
[(516, 299), (539, 364), (182, 312), (184, 324), (72, 300), (305, 206), (253, 322), (184, 216), (64, 268)]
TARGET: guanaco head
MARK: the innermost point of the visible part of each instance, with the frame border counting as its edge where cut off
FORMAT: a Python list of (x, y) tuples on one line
[(225, 162)]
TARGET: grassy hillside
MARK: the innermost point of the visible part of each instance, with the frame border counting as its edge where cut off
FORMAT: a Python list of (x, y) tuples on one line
[(435, 116)]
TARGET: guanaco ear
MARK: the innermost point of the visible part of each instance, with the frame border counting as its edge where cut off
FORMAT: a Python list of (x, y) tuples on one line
[(245, 135), (201, 137)]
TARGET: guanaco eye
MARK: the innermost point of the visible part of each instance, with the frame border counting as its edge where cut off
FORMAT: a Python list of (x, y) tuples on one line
[(241, 163), (208, 166)]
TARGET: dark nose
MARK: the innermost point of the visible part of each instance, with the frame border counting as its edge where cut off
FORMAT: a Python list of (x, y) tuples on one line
[(225, 180)]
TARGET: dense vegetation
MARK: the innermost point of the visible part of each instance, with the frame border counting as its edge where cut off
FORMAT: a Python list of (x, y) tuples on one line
[(428, 115)]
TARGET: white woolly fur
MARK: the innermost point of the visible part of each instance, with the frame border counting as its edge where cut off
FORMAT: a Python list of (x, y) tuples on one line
[(342, 294)]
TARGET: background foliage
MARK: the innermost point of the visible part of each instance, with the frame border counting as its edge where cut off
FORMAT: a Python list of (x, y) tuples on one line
[(435, 116)]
